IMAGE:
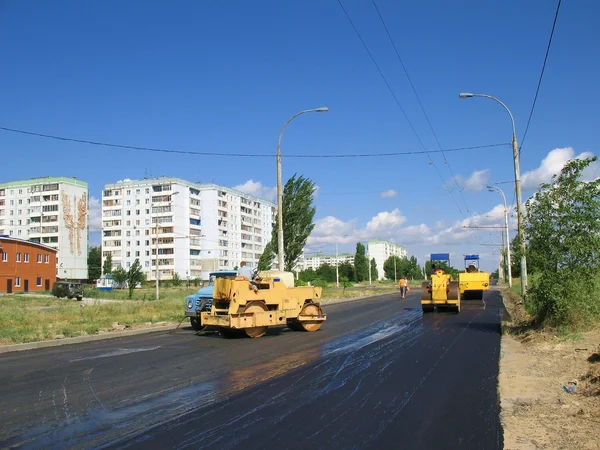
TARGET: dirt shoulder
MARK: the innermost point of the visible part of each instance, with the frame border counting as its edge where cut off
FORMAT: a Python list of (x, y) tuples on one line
[(536, 411)]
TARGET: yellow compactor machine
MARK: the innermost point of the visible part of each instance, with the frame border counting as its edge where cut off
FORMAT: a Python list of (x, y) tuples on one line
[(472, 282), (441, 291), (241, 307)]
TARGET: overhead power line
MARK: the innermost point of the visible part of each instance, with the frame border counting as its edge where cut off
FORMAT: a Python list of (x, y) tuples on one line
[(541, 73), (398, 102), (420, 103), (242, 155)]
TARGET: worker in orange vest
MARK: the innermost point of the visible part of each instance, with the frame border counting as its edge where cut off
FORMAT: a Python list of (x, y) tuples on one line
[(403, 286)]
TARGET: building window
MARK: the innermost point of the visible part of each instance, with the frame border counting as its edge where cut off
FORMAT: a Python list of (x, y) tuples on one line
[(137, 254), (128, 254), (18, 256), (38, 281), (17, 281), (39, 257), (46, 259), (4, 257), (26, 257)]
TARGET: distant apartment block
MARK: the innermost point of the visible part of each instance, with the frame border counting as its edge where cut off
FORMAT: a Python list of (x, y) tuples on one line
[(52, 211), (316, 261), (381, 251), (177, 226)]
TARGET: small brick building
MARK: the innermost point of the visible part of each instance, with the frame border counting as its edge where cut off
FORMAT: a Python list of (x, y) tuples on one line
[(26, 266)]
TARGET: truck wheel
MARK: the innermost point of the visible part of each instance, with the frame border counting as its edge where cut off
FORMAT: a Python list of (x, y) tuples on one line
[(196, 325)]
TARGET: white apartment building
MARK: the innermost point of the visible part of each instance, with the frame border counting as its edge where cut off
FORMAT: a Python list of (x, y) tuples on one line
[(201, 227), (381, 251), (52, 211), (316, 261)]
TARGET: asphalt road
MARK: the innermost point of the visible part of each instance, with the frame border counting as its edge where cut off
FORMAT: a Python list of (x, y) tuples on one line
[(377, 375)]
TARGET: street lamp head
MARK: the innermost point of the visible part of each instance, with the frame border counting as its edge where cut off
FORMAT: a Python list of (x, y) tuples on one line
[(322, 109), (466, 95)]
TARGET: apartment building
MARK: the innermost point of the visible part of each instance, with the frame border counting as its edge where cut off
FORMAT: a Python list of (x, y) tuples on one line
[(381, 251), (52, 211), (177, 226), (316, 261)]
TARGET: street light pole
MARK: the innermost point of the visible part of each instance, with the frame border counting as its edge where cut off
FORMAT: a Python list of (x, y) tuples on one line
[(279, 191), (520, 229), (496, 188), (337, 272)]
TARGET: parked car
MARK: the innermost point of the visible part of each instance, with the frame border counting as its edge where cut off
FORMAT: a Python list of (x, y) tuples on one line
[(202, 300), (67, 289)]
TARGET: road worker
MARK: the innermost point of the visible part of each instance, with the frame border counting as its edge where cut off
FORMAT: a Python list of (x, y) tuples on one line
[(403, 286)]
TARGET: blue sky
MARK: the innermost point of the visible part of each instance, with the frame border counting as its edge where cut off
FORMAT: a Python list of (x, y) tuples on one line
[(225, 76)]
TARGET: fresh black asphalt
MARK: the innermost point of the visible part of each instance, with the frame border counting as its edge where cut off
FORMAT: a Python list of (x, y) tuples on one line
[(379, 374)]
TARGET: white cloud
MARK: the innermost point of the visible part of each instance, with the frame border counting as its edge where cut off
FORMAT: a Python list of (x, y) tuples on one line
[(95, 215), (256, 189), (389, 194), (552, 164), (476, 182)]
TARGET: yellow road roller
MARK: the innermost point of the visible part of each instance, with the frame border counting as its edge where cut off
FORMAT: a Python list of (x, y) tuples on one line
[(441, 291), (472, 282), (241, 306)]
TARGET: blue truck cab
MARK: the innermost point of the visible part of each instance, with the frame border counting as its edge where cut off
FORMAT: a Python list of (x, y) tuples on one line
[(202, 300)]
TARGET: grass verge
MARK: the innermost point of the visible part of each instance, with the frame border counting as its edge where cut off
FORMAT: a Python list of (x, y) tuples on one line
[(30, 319)]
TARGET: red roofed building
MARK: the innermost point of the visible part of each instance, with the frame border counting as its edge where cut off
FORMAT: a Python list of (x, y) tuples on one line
[(26, 266)]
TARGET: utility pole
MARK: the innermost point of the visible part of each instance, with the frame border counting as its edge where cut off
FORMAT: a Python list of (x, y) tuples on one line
[(394, 268), (337, 272)]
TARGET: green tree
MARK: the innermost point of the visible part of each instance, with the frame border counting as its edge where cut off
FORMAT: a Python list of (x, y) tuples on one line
[(268, 256), (326, 272), (346, 269), (107, 266), (94, 263), (176, 279), (361, 263), (307, 274), (120, 276), (134, 276), (563, 237), (374, 271), (298, 212), (393, 271), (440, 265)]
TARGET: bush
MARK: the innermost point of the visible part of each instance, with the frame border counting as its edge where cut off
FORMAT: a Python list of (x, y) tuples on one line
[(568, 298), (319, 283)]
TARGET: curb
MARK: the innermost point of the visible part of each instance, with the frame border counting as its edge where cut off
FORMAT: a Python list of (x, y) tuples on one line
[(82, 339), (117, 334)]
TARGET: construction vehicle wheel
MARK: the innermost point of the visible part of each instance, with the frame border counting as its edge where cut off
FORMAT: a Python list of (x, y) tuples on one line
[(255, 307), (195, 323), (453, 291), (310, 310), (425, 295)]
